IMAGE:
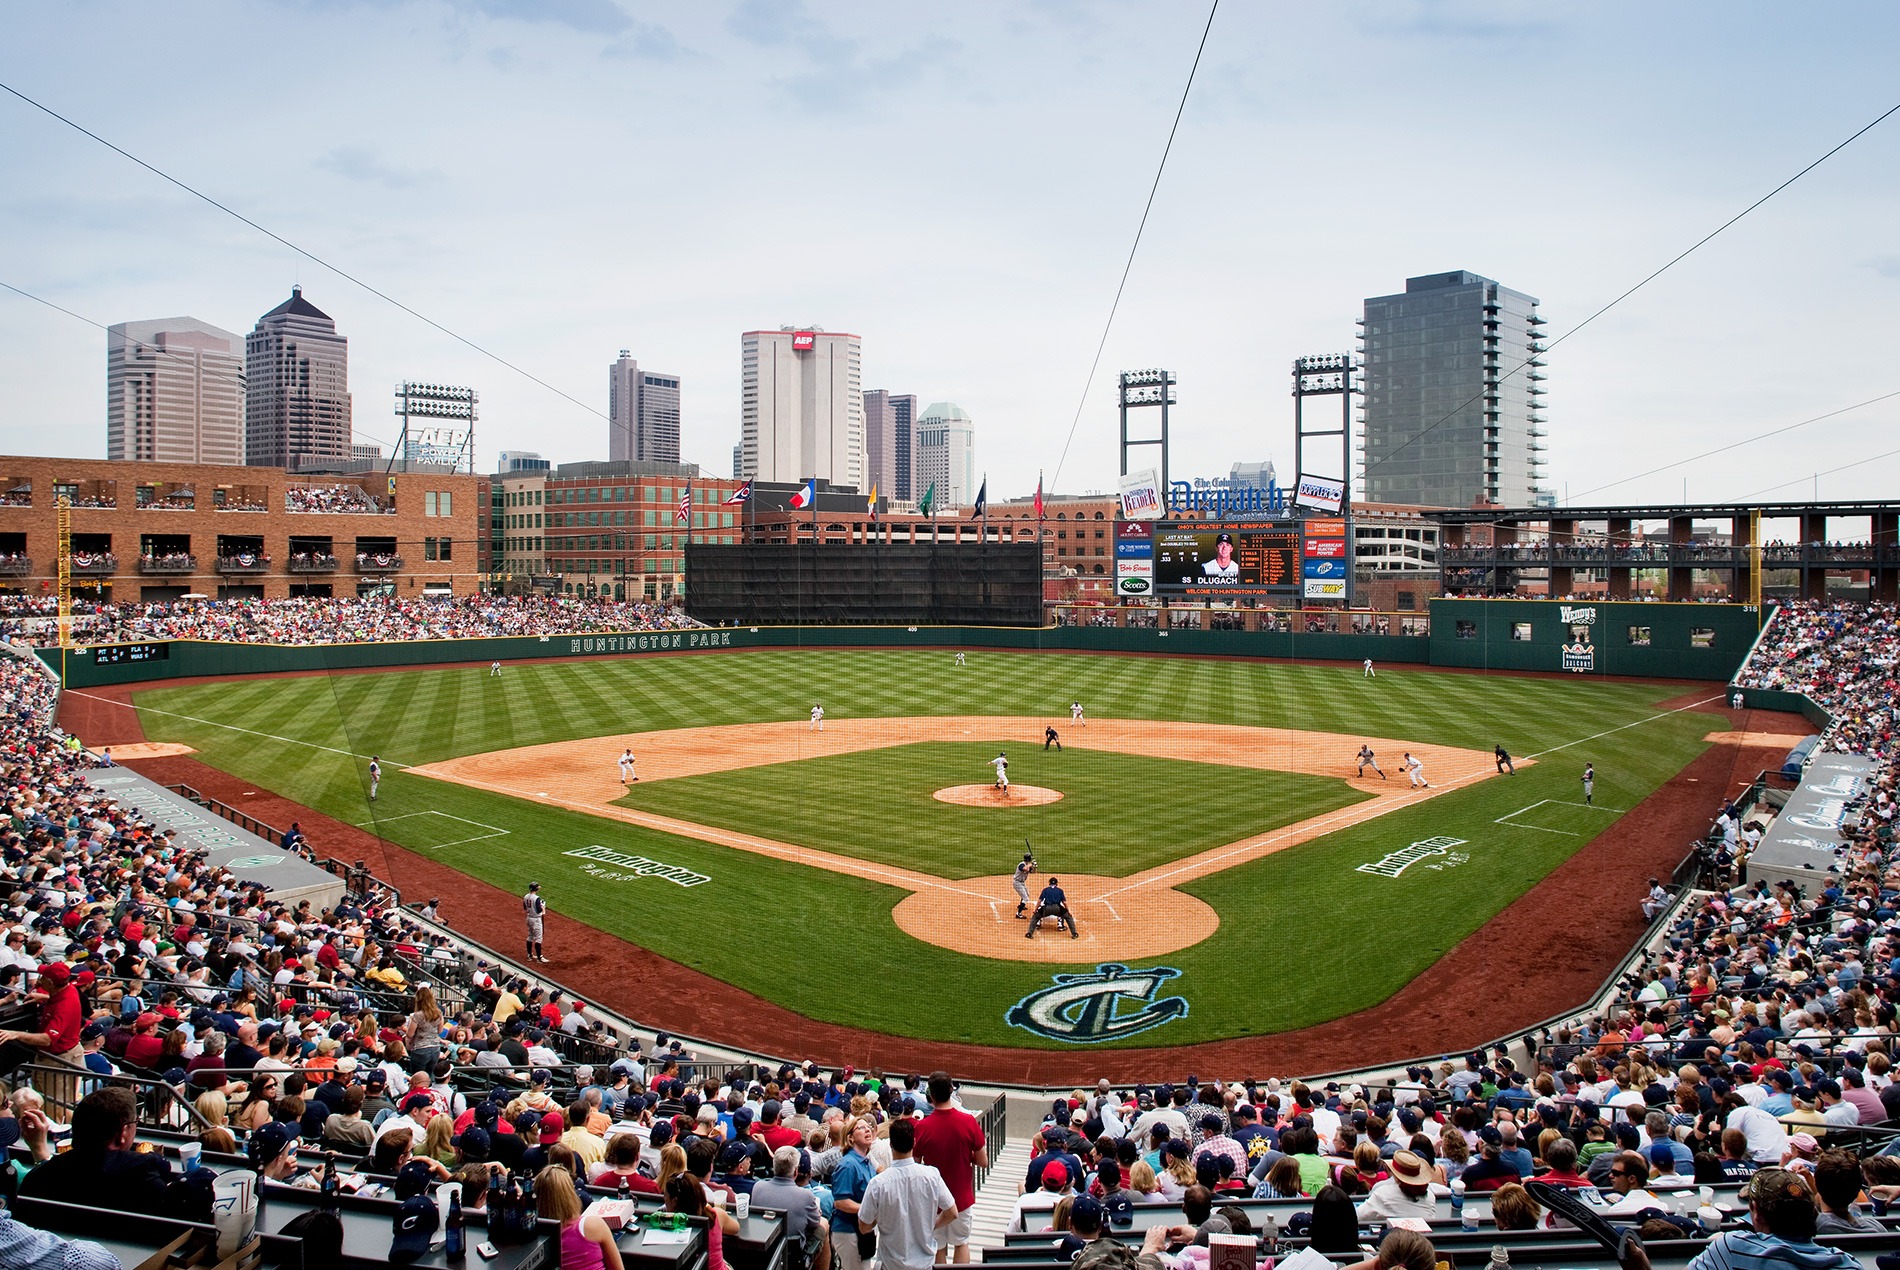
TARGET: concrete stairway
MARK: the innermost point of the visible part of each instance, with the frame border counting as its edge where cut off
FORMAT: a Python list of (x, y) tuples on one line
[(997, 1200)]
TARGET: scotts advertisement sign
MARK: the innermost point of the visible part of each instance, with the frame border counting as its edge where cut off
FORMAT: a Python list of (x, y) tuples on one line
[(803, 341), (1134, 559)]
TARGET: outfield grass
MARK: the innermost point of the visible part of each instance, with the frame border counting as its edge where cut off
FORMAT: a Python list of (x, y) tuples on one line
[(1304, 937), (878, 806)]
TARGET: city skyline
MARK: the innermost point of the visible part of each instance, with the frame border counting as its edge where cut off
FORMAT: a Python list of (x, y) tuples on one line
[(1037, 168)]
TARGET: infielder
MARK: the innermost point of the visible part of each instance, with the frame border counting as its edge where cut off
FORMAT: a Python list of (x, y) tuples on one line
[(534, 909), (817, 717), (1416, 770), (1366, 760), (375, 776), (1589, 784), (1369, 672), (1001, 764), (1504, 760), (1075, 715), (1021, 881), (1052, 903), (626, 766)]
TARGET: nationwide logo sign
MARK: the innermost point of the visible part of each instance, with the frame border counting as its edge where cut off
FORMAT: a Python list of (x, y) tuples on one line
[(1106, 1004), (1405, 857)]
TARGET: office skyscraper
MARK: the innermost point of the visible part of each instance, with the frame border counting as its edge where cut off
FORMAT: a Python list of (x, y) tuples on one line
[(645, 409), (802, 406), (945, 454), (174, 392), (888, 423), (297, 387), (1447, 422)]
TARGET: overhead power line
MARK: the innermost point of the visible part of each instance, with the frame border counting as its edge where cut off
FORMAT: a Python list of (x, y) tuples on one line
[(307, 254), (1135, 246), (1670, 264), (152, 348), (1736, 445)]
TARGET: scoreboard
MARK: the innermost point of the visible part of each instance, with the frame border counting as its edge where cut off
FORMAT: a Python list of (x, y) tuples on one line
[(1225, 560), (115, 654)]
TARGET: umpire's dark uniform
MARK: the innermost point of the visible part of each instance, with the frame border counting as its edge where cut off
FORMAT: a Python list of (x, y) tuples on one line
[(1052, 903)]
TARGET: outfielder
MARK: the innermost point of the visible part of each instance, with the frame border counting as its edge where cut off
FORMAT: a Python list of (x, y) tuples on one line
[(1366, 760), (1416, 770), (817, 717), (1052, 903), (626, 766), (375, 776), (494, 668), (959, 659), (534, 909), (1001, 764), (1589, 784), (1369, 672), (1021, 881)]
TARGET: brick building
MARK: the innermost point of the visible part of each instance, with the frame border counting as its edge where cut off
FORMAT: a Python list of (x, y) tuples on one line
[(157, 531), (604, 528)]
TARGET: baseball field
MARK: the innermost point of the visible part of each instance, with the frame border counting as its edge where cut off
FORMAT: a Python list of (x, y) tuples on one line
[(1229, 871)]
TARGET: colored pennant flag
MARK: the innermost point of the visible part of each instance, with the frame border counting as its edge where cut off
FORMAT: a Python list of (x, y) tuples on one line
[(1039, 496), (982, 499), (871, 506), (929, 502)]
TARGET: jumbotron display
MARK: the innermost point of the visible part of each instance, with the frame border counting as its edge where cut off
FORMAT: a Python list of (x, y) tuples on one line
[(1209, 558)]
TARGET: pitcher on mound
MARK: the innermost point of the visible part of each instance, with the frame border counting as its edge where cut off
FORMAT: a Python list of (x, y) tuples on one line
[(1001, 764)]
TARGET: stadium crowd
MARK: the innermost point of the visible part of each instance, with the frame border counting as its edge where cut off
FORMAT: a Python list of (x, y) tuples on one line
[(333, 498), (310, 620), (1845, 655)]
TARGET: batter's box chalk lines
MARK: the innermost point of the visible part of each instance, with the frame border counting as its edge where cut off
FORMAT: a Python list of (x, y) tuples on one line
[(1506, 819), (494, 832)]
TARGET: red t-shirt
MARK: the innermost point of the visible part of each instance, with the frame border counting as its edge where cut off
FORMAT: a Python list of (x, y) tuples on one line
[(947, 1139), (776, 1136), (61, 1018), (144, 1050)]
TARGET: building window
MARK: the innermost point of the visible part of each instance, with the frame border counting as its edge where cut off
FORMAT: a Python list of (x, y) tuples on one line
[(1639, 636), (428, 548), (428, 504), (1702, 637)]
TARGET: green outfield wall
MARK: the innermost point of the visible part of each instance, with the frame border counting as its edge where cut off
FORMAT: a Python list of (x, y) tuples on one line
[(1645, 641), (1685, 641)]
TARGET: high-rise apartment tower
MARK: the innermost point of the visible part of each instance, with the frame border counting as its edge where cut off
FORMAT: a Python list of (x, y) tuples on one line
[(1453, 392), (945, 455)]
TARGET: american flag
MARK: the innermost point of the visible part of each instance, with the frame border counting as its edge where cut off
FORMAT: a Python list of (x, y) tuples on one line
[(684, 516)]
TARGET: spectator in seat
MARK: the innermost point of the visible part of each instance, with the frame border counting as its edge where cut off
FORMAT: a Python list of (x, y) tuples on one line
[(102, 1169)]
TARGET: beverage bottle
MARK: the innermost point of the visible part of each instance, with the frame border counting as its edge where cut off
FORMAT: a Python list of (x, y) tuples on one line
[(1500, 1259), (455, 1239), (626, 1191), (331, 1186)]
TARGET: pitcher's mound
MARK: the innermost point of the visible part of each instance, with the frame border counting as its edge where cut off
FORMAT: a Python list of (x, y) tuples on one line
[(990, 796)]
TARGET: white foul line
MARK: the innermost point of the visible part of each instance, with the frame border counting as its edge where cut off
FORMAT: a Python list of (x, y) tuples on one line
[(232, 727)]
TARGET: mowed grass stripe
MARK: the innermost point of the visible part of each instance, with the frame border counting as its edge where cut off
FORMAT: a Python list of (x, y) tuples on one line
[(1275, 963)]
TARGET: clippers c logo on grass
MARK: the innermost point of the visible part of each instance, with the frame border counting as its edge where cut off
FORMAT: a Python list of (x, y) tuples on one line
[(1083, 1009)]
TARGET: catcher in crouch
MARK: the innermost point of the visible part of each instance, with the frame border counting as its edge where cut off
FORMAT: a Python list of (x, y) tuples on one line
[(1052, 903)]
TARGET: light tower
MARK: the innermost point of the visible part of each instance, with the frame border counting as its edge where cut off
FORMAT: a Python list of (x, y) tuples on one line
[(1137, 389)]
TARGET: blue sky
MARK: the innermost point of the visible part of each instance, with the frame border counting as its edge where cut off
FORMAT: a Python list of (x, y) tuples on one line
[(561, 179)]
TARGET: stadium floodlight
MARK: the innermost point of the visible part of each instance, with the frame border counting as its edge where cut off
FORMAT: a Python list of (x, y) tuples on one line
[(1139, 388)]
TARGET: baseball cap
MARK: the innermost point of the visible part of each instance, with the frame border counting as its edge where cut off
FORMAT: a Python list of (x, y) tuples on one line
[(1120, 1209), (271, 1141), (1055, 1172), (414, 1226), (732, 1153), (1659, 1153), (1490, 1136), (1086, 1214), (553, 1125), (414, 1101), (474, 1144), (412, 1179)]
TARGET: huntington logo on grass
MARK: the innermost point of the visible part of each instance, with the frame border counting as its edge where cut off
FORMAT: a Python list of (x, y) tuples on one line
[(636, 866), (1084, 1009), (1405, 857)]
